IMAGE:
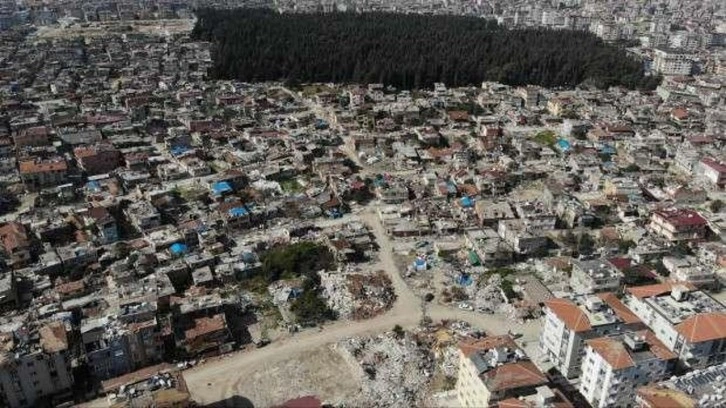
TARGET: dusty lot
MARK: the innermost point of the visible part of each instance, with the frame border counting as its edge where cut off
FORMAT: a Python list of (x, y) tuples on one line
[(149, 27), (321, 371)]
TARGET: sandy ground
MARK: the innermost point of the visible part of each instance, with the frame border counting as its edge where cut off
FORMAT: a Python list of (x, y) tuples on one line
[(150, 27), (321, 371), (229, 376)]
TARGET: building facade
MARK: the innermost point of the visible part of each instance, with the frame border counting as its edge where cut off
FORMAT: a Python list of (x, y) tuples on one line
[(614, 367)]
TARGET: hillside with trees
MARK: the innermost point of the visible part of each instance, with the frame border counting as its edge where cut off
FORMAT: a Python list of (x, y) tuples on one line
[(408, 51)]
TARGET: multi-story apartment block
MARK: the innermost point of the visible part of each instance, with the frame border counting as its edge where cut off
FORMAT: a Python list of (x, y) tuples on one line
[(672, 62), (688, 321), (614, 367), (569, 323), (678, 224), (38, 173), (35, 366), (493, 369), (712, 170), (594, 276), (699, 388)]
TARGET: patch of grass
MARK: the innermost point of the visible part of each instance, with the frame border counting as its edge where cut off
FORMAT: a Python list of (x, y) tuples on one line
[(546, 138), (503, 272), (291, 186), (256, 284), (191, 193)]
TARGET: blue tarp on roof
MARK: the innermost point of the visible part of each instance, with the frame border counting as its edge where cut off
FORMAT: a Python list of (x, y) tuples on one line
[(238, 211), (564, 145), (464, 279), (93, 185), (467, 202), (321, 124), (179, 150), (248, 257), (221, 187), (178, 248), (607, 149)]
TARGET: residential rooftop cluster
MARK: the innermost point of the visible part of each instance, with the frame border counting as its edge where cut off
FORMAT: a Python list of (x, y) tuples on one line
[(153, 217)]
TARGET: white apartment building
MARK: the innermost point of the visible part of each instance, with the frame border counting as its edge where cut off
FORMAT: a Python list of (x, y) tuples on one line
[(672, 62), (517, 234), (569, 323), (691, 271), (594, 276), (688, 321), (493, 369), (712, 170), (614, 367)]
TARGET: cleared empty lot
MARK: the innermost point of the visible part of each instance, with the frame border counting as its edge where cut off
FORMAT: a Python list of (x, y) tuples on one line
[(320, 371)]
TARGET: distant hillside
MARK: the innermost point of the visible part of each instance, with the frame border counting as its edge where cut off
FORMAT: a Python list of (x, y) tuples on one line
[(408, 51)]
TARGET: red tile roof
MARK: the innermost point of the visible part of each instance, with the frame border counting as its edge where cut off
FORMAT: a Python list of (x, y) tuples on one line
[(703, 327), (38, 166), (620, 263), (613, 351), (513, 375), (681, 217), (515, 403), (206, 325), (471, 345), (656, 396), (623, 312), (618, 356), (719, 166), (574, 318), (658, 289)]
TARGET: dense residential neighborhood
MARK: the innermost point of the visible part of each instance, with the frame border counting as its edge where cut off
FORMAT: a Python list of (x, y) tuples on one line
[(172, 240)]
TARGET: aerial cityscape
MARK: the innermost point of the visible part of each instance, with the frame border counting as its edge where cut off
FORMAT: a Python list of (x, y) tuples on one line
[(363, 203)]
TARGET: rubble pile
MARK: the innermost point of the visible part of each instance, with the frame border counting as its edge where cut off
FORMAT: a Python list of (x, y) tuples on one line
[(357, 295), (488, 296), (336, 293), (373, 294), (395, 370)]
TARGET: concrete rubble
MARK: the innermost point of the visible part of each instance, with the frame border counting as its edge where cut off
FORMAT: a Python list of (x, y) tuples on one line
[(395, 371), (357, 295)]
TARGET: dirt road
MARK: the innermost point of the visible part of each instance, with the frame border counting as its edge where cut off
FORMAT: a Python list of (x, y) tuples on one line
[(227, 377)]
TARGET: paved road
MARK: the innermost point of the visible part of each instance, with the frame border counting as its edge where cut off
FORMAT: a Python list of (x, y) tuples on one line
[(221, 378)]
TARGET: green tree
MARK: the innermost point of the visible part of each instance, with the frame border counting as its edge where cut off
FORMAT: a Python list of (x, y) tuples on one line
[(716, 206), (310, 308)]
